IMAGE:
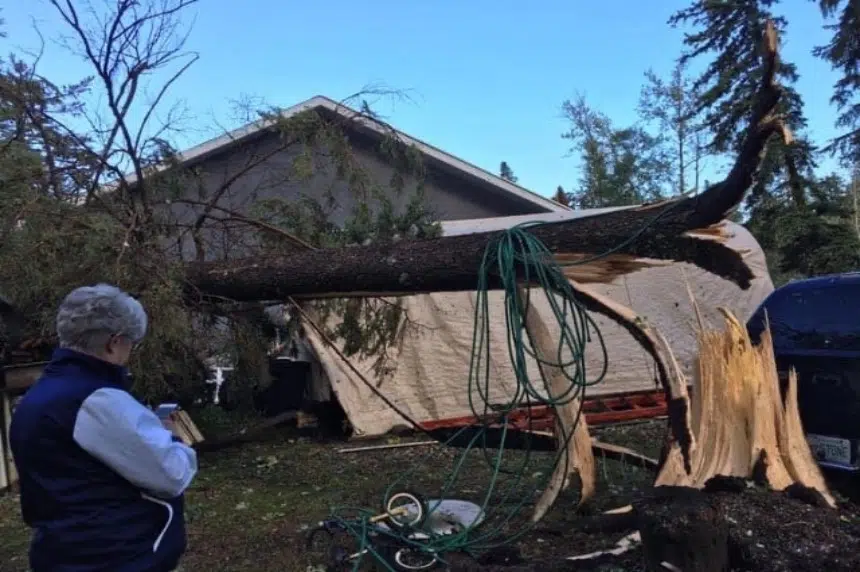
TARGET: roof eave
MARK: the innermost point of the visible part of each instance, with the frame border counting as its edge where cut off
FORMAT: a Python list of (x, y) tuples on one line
[(236, 136)]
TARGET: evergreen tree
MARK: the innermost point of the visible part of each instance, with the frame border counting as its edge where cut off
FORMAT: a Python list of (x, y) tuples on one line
[(561, 197), (785, 208), (671, 105), (507, 173), (731, 33), (620, 166), (843, 53)]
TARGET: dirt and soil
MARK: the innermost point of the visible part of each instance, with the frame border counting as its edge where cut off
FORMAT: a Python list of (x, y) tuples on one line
[(251, 508)]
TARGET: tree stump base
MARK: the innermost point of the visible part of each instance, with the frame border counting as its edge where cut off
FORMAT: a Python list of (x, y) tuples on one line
[(682, 527)]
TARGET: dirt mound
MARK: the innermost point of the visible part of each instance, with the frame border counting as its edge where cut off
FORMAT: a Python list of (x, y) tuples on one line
[(767, 532), (772, 532)]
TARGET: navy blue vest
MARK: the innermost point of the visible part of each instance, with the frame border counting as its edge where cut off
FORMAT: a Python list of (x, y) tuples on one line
[(86, 517)]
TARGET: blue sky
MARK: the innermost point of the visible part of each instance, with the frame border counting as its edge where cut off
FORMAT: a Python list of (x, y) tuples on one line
[(485, 79)]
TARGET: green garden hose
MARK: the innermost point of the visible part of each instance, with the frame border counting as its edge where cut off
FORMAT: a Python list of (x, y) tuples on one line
[(514, 258)]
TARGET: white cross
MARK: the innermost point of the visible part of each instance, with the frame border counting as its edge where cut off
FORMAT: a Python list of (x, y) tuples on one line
[(218, 380)]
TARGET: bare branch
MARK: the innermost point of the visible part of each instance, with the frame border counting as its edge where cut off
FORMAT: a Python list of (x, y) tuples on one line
[(154, 104), (132, 41), (209, 206)]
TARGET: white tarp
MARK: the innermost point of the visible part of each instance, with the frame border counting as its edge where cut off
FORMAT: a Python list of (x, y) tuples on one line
[(430, 377)]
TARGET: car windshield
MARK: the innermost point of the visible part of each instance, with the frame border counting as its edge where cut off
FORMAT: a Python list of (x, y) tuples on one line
[(819, 318)]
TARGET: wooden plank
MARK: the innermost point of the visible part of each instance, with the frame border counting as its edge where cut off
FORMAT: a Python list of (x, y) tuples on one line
[(19, 378), (179, 428), (9, 475), (388, 446), (192, 427), (623, 454), (5, 453), (245, 435), (600, 449)]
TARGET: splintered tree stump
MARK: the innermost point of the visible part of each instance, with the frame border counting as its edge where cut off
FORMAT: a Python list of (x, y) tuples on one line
[(682, 527)]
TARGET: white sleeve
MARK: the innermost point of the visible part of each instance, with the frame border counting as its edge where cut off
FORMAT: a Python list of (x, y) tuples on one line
[(119, 431)]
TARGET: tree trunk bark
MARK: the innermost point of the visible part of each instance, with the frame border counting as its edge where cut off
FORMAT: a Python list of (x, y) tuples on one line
[(855, 175), (452, 263)]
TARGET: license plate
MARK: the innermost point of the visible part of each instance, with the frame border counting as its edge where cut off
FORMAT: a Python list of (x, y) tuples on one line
[(830, 449)]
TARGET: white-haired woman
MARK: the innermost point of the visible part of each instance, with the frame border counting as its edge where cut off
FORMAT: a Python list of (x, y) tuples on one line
[(101, 479)]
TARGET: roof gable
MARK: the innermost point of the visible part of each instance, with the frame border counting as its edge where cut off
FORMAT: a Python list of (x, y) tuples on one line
[(436, 155)]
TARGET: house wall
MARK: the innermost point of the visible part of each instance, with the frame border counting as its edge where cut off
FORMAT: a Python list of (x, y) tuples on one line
[(262, 169)]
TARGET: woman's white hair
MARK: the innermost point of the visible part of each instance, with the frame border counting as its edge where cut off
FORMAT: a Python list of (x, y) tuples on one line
[(90, 315)]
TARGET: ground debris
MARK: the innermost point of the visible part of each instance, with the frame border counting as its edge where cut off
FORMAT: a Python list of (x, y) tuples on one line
[(768, 531), (284, 499), (771, 532), (685, 527)]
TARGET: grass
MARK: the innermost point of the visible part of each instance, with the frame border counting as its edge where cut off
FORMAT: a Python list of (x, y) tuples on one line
[(250, 506)]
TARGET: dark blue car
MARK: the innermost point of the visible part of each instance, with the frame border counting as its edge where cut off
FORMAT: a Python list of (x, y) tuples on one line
[(816, 330)]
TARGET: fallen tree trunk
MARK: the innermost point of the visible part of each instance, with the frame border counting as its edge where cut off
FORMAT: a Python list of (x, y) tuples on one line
[(683, 229), (451, 264)]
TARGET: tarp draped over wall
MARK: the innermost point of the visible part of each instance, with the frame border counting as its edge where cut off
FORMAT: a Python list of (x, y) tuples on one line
[(429, 378)]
